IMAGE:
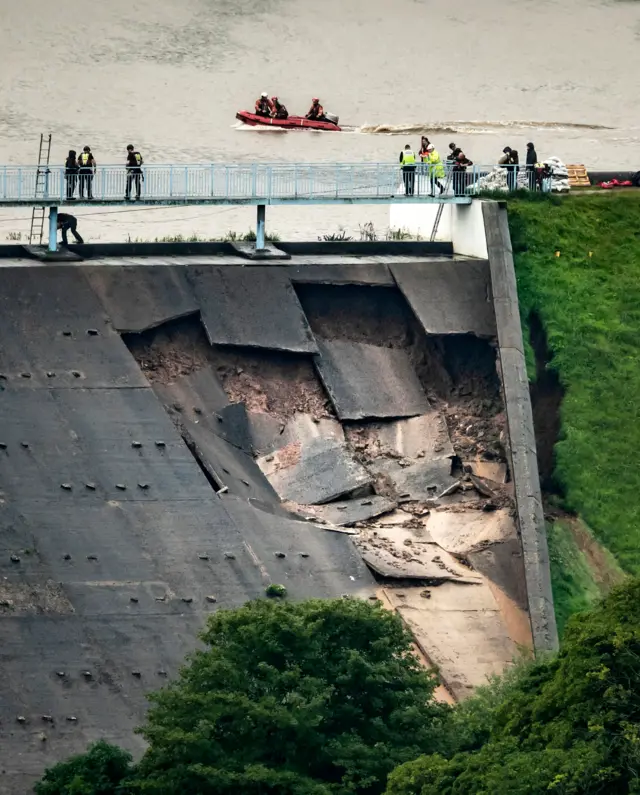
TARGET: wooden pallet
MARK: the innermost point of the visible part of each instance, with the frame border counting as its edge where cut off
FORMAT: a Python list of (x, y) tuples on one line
[(578, 177)]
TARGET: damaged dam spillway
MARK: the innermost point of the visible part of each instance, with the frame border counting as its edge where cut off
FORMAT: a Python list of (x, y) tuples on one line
[(176, 436)]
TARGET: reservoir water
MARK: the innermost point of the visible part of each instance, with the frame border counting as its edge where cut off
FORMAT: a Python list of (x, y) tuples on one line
[(169, 75)]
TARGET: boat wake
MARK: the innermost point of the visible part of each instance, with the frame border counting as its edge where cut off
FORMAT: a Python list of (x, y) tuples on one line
[(473, 127)]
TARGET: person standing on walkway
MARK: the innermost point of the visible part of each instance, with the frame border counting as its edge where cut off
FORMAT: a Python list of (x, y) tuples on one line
[(68, 223), (532, 159), (134, 172), (509, 161), (408, 162), (87, 163), (436, 170), (71, 174), (460, 163)]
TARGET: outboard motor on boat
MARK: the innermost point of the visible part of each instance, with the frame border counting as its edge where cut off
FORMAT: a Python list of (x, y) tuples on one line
[(332, 118)]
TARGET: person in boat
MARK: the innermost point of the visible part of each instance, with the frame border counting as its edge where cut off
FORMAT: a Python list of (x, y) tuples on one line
[(279, 110), (264, 106), (316, 111)]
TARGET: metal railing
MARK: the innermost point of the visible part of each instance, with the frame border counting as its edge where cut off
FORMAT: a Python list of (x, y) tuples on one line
[(252, 182)]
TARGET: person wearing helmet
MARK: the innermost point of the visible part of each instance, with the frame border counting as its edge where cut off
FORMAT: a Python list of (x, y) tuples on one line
[(264, 107), (279, 110), (316, 111), (436, 169)]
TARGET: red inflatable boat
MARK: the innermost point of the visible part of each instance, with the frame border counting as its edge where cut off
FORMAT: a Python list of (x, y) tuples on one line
[(291, 123)]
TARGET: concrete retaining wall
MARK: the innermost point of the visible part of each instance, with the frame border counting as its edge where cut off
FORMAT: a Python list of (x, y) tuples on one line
[(468, 234), (520, 424)]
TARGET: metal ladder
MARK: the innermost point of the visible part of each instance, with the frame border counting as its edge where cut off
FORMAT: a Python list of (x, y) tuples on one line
[(42, 188), (436, 223)]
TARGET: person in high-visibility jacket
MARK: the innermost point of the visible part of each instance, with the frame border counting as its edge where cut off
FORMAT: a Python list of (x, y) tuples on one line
[(87, 169), (408, 162), (436, 169)]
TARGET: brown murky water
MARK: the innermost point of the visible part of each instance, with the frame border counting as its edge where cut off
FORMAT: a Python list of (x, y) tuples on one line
[(169, 77)]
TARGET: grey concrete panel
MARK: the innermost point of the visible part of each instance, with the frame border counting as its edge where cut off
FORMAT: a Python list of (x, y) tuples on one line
[(252, 307), (55, 333), (348, 512), (142, 297), (318, 472), (384, 550), (266, 432), (228, 465), (201, 399), (316, 563), (372, 274), (147, 550), (94, 442), (451, 297), (524, 465), (200, 392), (503, 564), (421, 480), (364, 381)]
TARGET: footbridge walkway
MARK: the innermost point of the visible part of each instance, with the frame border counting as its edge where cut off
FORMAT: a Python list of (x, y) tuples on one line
[(259, 184)]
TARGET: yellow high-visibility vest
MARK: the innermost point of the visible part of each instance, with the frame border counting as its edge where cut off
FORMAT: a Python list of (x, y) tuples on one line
[(408, 157)]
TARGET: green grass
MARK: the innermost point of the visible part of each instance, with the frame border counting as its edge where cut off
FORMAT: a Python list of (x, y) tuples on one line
[(588, 299), (574, 583)]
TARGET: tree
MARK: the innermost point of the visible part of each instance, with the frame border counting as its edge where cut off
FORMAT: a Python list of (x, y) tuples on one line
[(569, 726), (103, 770), (314, 698)]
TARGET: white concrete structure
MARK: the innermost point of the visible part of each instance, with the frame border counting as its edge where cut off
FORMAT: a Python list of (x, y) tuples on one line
[(462, 225)]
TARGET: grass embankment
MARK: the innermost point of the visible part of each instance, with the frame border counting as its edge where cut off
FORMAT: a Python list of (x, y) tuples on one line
[(578, 268)]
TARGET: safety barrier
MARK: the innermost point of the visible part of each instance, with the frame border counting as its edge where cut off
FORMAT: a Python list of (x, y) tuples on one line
[(251, 183)]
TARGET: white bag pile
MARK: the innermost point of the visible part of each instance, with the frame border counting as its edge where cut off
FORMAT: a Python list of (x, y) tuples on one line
[(497, 179), (559, 174)]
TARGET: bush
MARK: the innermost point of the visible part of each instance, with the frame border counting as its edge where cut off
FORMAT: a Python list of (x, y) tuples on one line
[(569, 725)]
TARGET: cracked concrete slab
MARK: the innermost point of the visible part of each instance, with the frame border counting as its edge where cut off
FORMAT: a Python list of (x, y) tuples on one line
[(348, 512), (460, 630), (251, 307), (315, 473), (421, 480), (228, 465), (271, 434), (399, 553), (462, 532), (425, 436), (365, 381), (489, 470), (142, 298), (449, 297)]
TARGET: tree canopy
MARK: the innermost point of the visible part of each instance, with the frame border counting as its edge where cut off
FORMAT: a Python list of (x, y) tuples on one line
[(311, 698), (100, 771), (570, 725)]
